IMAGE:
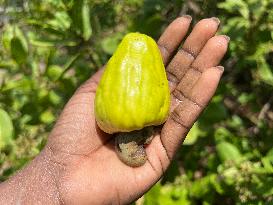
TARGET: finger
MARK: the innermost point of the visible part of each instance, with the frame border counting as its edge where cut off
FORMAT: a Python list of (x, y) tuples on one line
[(188, 81), (189, 105), (212, 53), (210, 56), (172, 37), (96, 77), (181, 62), (200, 34), (178, 67)]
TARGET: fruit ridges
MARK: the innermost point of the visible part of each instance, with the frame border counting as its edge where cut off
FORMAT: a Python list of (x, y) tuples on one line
[(133, 92)]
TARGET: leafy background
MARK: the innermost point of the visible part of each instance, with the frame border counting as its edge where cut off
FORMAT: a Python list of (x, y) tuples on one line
[(48, 48)]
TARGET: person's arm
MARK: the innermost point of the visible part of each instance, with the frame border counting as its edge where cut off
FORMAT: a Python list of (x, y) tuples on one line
[(79, 165), (34, 184)]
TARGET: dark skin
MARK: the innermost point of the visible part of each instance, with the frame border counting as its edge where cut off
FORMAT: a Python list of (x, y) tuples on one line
[(79, 164)]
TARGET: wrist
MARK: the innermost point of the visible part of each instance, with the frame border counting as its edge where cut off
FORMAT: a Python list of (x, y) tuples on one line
[(34, 184)]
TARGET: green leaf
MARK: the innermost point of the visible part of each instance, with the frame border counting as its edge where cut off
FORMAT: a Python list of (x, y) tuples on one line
[(22, 44), (151, 196), (54, 98), (215, 112), (23, 83), (86, 26), (6, 129), (265, 72), (201, 187), (227, 151), (267, 163), (47, 117), (221, 134), (235, 5), (270, 153), (215, 182), (110, 43), (7, 36), (18, 50), (193, 135), (61, 21), (80, 15), (46, 42), (54, 72)]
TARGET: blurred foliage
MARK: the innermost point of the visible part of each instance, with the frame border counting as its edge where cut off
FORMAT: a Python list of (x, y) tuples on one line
[(48, 48)]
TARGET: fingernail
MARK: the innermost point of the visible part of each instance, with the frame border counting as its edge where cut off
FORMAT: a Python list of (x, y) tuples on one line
[(216, 20), (187, 16), (226, 37), (221, 68)]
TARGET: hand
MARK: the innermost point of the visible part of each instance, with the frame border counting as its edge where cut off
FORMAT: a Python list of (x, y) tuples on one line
[(79, 164)]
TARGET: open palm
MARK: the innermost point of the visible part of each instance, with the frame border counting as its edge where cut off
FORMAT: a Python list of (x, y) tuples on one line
[(79, 161)]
